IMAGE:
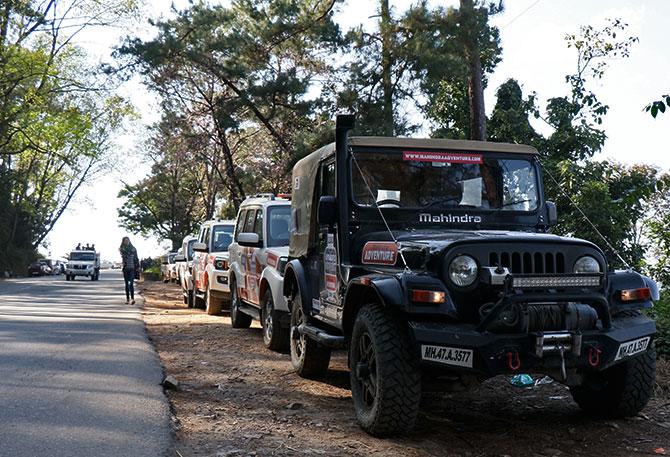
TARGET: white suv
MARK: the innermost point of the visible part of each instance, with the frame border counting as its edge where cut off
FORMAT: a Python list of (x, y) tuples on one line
[(210, 266), (184, 262), (257, 259)]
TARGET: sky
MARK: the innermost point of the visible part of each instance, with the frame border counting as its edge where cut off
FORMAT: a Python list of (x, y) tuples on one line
[(534, 52)]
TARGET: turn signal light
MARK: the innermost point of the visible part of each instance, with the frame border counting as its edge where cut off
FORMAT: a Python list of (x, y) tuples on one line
[(643, 293), (427, 296)]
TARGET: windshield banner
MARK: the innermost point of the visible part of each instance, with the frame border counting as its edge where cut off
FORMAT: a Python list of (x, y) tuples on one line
[(444, 157)]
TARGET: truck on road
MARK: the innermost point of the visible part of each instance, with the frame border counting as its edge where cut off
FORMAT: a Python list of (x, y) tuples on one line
[(83, 262)]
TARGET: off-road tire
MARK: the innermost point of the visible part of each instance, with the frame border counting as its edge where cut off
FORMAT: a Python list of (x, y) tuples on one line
[(237, 318), (386, 378), (184, 297), (275, 337), (212, 305), (620, 391), (309, 358), (189, 298), (198, 302)]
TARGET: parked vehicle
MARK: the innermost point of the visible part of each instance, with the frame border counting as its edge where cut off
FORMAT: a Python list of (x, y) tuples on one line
[(184, 261), (83, 262), (257, 257), (167, 266), (211, 289), (38, 268), (430, 260)]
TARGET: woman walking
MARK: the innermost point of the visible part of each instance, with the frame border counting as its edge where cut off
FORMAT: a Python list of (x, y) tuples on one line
[(131, 264)]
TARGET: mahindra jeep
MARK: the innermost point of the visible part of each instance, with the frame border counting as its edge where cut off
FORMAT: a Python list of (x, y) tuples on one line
[(431, 261)]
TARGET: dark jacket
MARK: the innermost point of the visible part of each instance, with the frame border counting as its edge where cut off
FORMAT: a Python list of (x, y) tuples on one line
[(129, 258)]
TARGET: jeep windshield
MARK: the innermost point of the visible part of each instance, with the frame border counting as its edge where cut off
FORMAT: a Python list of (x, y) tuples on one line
[(420, 180), (82, 256)]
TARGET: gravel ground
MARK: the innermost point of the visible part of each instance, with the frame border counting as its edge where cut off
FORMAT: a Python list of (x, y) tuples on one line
[(234, 397)]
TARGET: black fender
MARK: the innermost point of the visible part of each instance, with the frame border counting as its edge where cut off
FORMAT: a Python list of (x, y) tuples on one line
[(294, 276), (392, 291), (628, 279)]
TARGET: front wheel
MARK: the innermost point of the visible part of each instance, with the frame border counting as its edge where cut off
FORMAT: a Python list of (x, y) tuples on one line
[(275, 337), (620, 391), (237, 318), (385, 376), (189, 298), (309, 358)]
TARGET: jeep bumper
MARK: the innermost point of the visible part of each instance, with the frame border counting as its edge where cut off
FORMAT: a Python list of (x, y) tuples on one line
[(460, 347)]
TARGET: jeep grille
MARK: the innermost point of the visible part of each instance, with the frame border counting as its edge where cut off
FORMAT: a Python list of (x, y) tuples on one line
[(529, 262)]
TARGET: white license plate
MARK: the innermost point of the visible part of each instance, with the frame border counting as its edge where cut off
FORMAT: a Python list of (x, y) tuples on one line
[(632, 347), (449, 356)]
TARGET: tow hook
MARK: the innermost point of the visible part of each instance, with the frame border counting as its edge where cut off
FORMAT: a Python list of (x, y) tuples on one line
[(513, 360), (594, 356)]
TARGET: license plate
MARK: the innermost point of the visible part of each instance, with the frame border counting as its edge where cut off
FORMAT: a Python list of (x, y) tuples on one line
[(632, 347), (448, 356)]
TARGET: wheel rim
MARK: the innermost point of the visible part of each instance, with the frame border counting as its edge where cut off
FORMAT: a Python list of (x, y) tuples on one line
[(267, 320), (299, 343), (365, 370)]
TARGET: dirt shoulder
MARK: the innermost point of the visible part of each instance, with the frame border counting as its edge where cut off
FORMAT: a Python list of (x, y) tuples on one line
[(237, 398)]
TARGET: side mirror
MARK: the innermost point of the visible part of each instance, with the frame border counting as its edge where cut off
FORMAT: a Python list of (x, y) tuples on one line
[(200, 247), (248, 239), (552, 216), (327, 210), (179, 258)]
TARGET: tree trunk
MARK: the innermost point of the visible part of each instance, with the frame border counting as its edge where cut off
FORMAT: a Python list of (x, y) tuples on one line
[(475, 76), (386, 30)]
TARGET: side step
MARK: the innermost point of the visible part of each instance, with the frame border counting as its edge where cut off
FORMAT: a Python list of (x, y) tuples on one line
[(250, 310), (320, 336)]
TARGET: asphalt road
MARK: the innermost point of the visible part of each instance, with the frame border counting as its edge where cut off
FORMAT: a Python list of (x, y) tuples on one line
[(78, 376)]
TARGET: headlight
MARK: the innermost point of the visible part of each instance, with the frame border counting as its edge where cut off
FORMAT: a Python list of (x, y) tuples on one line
[(221, 264), (463, 270), (586, 264)]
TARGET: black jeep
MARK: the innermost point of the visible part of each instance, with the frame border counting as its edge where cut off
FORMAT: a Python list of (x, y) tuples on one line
[(430, 260)]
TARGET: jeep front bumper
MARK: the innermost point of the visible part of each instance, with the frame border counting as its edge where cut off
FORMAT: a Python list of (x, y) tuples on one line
[(219, 282), (461, 347)]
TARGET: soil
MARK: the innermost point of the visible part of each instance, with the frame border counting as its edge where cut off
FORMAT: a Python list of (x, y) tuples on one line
[(234, 397)]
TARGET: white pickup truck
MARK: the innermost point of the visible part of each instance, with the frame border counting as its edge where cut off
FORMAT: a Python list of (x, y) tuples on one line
[(83, 262)]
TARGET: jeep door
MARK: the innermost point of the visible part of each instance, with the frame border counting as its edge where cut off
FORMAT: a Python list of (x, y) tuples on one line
[(200, 260), (325, 271), (250, 264)]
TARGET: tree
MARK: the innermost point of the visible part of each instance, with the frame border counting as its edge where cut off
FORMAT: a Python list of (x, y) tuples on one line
[(56, 122)]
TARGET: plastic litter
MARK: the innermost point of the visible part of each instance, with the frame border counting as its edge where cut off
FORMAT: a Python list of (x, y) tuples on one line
[(522, 380), (545, 380)]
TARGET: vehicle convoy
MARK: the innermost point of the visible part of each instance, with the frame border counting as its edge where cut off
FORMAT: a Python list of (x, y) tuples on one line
[(83, 261), (258, 255), (168, 267), (184, 261), (431, 261), (211, 289)]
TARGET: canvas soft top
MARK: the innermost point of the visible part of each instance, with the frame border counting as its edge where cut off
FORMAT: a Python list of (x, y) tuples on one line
[(306, 170)]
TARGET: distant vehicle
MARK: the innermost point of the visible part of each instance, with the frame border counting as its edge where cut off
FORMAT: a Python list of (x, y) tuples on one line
[(38, 268), (168, 266), (210, 266), (55, 266), (83, 262), (184, 263), (258, 256)]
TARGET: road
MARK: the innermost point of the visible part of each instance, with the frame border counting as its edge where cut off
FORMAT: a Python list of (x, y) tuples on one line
[(78, 376)]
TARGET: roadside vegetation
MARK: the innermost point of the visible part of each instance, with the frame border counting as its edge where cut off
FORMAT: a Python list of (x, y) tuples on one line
[(58, 116)]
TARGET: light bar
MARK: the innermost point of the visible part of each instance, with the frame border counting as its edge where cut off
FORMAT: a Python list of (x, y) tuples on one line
[(552, 282)]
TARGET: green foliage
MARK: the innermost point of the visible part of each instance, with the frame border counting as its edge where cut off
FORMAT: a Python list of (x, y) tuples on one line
[(56, 123), (658, 106)]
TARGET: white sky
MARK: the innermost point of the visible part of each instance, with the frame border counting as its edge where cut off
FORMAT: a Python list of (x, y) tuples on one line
[(534, 53)]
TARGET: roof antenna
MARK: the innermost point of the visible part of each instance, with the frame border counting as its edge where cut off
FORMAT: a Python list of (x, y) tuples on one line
[(565, 194), (381, 214)]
